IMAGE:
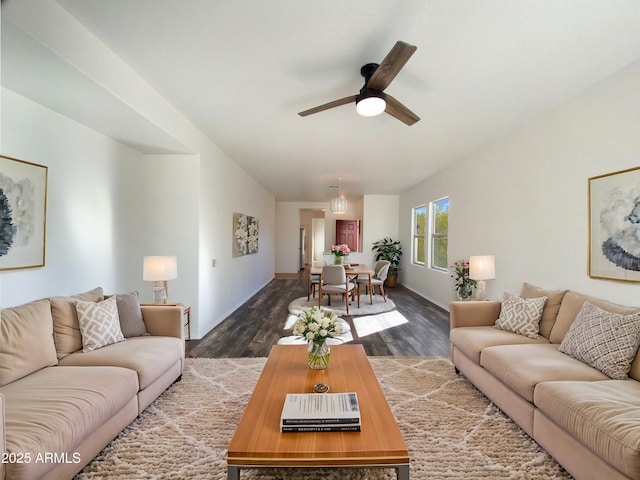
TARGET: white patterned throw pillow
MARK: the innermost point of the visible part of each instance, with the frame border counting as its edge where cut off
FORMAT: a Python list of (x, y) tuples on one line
[(99, 323), (521, 315), (606, 341)]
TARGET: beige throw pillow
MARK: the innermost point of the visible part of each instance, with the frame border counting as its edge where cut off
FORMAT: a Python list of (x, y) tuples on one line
[(521, 315), (26, 341), (99, 323), (66, 331), (606, 341), (551, 306)]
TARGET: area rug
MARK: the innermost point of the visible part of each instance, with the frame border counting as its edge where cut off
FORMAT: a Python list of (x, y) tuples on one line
[(452, 431), (377, 323), (338, 306)]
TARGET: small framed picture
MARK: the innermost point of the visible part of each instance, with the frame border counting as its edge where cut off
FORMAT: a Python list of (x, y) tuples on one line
[(23, 212), (614, 226)]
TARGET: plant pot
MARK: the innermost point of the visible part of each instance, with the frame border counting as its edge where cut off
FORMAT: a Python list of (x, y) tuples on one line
[(391, 280)]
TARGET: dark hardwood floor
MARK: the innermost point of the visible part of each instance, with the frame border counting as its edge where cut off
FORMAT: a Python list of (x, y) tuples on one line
[(253, 328)]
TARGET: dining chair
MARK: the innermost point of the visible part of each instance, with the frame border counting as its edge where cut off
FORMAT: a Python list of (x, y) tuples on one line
[(314, 281), (333, 281), (382, 270)]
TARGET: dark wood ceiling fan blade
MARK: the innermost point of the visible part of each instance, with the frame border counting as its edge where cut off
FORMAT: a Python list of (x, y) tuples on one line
[(327, 106), (399, 111), (391, 65)]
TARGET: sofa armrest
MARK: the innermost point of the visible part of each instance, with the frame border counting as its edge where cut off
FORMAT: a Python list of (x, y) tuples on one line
[(3, 444), (163, 321), (473, 314)]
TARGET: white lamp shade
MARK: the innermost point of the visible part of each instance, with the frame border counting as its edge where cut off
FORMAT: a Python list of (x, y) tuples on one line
[(482, 267), (339, 205), (157, 269), (371, 106)]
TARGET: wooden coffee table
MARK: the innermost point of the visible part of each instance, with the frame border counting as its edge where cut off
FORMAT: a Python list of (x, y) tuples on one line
[(259, 443)]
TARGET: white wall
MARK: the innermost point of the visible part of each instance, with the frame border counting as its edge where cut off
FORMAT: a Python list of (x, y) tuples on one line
[(130, 204), (525, 198), (91, 210), (109, 205), (224, 189), (380, 214)]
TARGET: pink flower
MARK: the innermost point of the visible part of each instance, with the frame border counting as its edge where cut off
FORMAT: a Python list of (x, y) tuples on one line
[(341, 250)]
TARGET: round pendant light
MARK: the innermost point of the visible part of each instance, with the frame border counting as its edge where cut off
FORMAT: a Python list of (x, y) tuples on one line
[(339, 204)]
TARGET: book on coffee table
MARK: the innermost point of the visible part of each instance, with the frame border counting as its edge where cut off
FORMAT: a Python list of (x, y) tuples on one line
[(320, 412)]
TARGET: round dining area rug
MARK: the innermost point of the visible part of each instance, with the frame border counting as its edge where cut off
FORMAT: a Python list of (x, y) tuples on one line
[(339, 308)]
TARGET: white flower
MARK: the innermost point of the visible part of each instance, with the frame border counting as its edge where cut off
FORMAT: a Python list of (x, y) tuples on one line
[(310, 336), (314, 327), (323, 333)]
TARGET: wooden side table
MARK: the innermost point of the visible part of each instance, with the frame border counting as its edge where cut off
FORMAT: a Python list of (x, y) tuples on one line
[(186, 312)]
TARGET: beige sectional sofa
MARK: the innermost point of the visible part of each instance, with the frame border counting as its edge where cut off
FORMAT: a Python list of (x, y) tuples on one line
[(60, 404), (588, 421)]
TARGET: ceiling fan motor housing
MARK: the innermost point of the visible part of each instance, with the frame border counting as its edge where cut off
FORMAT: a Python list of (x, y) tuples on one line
[(367, 70)]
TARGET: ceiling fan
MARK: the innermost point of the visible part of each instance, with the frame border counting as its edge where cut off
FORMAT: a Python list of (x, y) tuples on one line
[(372, 100)]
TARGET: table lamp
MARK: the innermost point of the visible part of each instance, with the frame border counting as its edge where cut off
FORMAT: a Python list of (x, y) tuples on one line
[(158, 270), (481, 268)]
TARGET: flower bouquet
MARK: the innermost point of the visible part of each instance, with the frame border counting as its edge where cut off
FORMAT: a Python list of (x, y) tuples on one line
[(463, 284), (316, 326), (340, 251)]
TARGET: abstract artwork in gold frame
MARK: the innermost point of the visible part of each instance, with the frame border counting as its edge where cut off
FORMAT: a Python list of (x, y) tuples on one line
[(614, 226), (23, 213)]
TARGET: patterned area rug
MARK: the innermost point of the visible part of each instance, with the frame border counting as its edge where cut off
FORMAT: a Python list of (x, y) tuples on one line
[(452, 431)]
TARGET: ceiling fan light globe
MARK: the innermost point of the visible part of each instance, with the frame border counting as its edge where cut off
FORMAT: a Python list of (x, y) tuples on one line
[(370, 106)]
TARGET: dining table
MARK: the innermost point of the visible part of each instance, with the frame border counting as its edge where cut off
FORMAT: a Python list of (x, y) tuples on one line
[(353, 270)]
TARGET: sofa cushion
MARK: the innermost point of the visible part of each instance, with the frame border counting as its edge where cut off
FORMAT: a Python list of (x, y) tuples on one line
[(523, 367), (472, 340), (99, 323), (66, 330), (571, 305), (606, 341), (551, 306), (26, 340), (604, 416), (58, 408), (521, 315), (149, 356), (130, 315)]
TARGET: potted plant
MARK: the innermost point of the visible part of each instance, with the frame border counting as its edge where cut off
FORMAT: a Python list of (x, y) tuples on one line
[(387, 249)]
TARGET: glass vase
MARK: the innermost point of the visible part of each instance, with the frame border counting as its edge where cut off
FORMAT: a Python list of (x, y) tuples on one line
[(338, 259), (465, 292), (318, 355)]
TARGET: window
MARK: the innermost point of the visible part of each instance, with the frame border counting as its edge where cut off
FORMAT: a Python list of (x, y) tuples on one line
[(419, 233), (439, 232)]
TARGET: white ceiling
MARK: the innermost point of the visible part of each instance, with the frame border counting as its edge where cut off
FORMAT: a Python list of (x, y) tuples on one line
[(241, 70)]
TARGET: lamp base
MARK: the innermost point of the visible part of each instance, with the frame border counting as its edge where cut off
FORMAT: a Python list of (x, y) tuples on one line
[(160, 291), (481, 293)]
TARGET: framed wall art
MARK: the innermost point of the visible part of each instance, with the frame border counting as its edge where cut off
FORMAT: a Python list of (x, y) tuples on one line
[(614, 226), (23, 212), (245, 235)]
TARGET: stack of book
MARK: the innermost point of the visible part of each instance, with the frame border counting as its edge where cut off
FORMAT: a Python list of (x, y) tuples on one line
[(320, 412)]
